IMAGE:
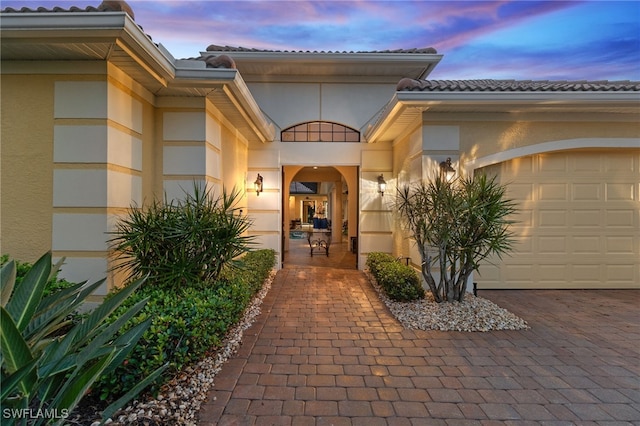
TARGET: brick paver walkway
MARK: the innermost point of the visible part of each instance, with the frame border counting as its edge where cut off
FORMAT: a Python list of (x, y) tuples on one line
[(326, 351)]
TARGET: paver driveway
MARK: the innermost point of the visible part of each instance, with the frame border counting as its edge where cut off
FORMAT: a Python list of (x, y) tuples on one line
[(326, 351)]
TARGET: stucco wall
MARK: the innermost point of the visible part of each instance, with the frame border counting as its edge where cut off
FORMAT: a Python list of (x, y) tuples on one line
[(353, 105), (485, 134), (407, 168), (26, 165)]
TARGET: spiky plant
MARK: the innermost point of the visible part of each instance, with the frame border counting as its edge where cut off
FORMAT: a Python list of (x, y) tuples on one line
[(456, 224), (184, 241)]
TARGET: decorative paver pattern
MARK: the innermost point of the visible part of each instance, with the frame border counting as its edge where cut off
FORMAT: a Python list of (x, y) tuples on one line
[(326, 351)]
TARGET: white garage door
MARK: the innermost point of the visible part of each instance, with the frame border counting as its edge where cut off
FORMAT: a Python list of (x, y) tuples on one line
[(578, 221)]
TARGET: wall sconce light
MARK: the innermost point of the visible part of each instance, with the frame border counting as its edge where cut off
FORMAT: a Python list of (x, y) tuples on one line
[(446, 171), (382, 185), (258, 185)]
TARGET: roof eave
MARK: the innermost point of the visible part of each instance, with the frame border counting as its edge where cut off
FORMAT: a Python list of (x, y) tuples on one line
[(414, 103), (115, 27), (566, 97), (229, 84), (118, 29), (344, 64)]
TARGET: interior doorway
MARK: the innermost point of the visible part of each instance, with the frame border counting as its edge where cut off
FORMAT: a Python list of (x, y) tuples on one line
[(320, 216)]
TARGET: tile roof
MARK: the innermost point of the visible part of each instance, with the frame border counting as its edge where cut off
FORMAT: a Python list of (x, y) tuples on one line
[(43, 9), (218, 48), (408, 84), (105, 6)]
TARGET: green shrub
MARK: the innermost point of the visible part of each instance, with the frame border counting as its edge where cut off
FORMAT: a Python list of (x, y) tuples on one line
[(186, 322), (186, 241), (400, 282), (53, 283), (375, 260), (47, 363)]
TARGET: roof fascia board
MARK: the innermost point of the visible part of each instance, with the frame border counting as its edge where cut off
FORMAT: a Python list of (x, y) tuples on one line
[(90, 27), (567, 97), (148, 50), (52, 24), (257, 119), (373, 130), (329, 57), (203, 77)]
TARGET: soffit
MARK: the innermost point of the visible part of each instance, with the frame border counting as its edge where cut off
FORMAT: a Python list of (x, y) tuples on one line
[(382, 67), (97, 36)]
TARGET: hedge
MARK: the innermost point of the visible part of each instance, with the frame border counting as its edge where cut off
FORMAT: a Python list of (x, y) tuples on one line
[(187, 323), (400, 282)]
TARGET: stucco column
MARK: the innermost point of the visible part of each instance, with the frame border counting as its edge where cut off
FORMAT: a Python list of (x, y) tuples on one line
[(191, 150), (97, 172)]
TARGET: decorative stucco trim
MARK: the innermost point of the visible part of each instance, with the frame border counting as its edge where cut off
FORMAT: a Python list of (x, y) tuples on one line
[(499, 157)]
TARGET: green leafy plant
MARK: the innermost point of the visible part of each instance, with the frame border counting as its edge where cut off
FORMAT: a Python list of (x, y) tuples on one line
[(376, 260), (400, 282), (187, 322), (48, 365), (185, 241), (456, 224), (53, 283)]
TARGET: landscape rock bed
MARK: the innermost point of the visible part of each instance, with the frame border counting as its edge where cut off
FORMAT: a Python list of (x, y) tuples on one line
[(473, 314)]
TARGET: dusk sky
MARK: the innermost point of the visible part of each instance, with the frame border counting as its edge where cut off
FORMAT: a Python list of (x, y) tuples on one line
[(537, 40)]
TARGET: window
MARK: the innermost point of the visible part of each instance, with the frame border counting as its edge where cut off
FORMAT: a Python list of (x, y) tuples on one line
[(319, 131)]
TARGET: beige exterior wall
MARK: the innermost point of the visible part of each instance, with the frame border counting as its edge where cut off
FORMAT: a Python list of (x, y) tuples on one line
[(26, 180), (483, 134), (292, 103), (555, 248), (407, 168)]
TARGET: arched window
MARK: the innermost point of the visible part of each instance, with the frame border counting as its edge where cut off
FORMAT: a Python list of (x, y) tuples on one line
[(319, 131)]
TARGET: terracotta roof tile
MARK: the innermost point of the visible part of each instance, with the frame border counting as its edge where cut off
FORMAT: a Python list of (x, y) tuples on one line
[(218, 48), (10, 9), (105, 6), (408, 84)]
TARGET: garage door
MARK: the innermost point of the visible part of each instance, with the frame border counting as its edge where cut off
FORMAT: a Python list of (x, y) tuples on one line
[(578, 221)]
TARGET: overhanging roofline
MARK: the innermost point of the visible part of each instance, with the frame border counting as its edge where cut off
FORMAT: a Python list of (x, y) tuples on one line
[(414, 103), (230, 83), (119, 29), (92, 26), (392, 65), (429, 97)]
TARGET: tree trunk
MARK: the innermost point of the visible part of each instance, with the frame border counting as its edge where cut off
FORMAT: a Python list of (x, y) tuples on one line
[(426, 273)]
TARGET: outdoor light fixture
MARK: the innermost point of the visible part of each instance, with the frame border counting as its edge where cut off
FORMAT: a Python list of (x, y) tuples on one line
[(446, 171), (382, 185), (258, 185)]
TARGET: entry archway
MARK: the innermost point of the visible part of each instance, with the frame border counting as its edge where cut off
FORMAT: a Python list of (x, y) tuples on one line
[(333, 188)]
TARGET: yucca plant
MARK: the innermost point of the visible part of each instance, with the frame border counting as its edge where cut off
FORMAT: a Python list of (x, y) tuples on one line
[(49, 363), (456, 224), (184, 241)]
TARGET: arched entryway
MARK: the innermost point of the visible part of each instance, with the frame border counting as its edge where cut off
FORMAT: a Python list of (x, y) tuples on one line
[(321, 199)]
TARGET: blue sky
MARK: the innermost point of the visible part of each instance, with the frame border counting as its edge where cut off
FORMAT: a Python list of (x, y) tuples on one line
[(556, 40)]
